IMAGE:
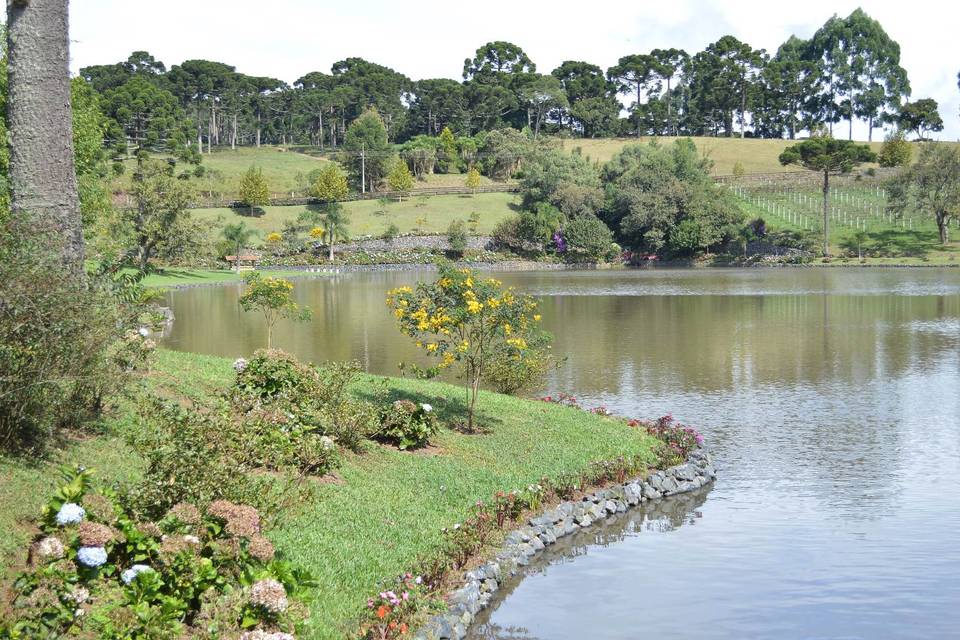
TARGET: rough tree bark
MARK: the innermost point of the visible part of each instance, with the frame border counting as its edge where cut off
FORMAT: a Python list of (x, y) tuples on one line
[(42, 173)]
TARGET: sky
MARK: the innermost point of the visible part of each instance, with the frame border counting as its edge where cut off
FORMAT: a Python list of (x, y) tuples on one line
[(430, 38)]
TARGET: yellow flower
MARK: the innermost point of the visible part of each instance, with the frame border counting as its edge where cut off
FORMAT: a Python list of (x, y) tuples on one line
[(469, 282), (432, 346), (537, 317), (447, 360), (507, 328), (463, 346), (473, 306)]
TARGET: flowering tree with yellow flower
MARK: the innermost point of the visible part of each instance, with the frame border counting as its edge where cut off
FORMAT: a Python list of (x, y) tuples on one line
[(462, 319), (272, 297)]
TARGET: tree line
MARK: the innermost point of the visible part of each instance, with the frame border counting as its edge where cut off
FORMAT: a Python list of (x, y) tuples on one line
[(848, 70)]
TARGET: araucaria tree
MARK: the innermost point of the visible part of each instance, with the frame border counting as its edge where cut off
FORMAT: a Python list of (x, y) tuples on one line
[(43, 177), (464, 320), (829, 157), (254, 191), (273, 298), (931, 186)]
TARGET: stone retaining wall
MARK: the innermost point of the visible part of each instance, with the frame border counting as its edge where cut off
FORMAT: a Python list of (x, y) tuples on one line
[(544, 530)]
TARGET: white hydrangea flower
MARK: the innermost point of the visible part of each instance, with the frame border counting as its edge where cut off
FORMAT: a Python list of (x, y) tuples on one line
[(92, 556), (239, 364), (130, 574), (427, 408), (143, 331), (70, 513), (327, 442)]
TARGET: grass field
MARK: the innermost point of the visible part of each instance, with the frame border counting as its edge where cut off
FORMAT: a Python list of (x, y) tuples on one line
[(371, 217), (174, 277), (281, 166), (389, 506), (756, 155)]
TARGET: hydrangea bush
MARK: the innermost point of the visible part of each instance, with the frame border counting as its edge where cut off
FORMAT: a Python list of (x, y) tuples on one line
[(96, 570), (406, 424)]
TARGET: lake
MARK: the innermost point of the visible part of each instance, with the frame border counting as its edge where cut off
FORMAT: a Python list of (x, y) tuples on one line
[(830, 398)]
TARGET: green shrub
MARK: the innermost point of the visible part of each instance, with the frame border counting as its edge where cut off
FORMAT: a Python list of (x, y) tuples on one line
[(98, 571), (392, 232), (588, 239), (895, 151), (56, 330), (457, 237), (406, 424), (200, 454), (311, 406)]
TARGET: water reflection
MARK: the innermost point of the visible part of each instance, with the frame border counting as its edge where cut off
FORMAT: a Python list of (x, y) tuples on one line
[(660, 517)]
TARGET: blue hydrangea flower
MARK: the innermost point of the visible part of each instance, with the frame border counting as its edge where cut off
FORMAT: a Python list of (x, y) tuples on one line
[(70, 513), (130, 574), (92, 556)]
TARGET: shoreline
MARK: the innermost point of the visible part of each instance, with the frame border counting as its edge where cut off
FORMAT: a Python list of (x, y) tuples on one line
[(306, 273), (543, 529)]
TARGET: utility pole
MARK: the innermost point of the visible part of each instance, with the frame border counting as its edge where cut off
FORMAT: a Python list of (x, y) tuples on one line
[(363, 168)]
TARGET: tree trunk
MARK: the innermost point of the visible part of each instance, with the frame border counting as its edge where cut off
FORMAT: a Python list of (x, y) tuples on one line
[(330, 245), (636, 111), (743, 110), (43, 177), (826, 213), (870, 132), (943, 225), (673, 129)]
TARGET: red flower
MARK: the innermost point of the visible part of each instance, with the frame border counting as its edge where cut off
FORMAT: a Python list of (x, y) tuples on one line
[(382, 611)]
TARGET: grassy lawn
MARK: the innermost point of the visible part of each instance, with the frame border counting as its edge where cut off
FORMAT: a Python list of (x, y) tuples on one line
[(280, 165), (371, 217), (172, 277), (389, 506)]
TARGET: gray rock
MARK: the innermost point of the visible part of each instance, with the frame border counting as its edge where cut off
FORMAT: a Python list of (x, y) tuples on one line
[(685, 486), (610, 506), (656, 481), (585, 521), (650, 493), (669, 485), (489, 586), (685, 472), (548, 537), (621, 505), (536, 543), (564, 509), (569, 526)]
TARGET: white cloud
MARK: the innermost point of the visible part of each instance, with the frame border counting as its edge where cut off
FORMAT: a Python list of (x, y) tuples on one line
[(287, 38)]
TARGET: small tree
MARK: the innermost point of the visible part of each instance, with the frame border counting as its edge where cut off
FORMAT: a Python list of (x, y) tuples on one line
[(447, 150), (474, 221), (400, 179), (932, 186), (859, 238), (463, 320), (830, 157), (238, 235), (272, 297), (895, 151), (473, 180), (162, 200), (253, 188), (457, 237), (334, 226), (331, 184)]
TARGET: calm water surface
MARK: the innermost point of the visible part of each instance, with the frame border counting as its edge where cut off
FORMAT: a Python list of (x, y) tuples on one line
[(831, 400)]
